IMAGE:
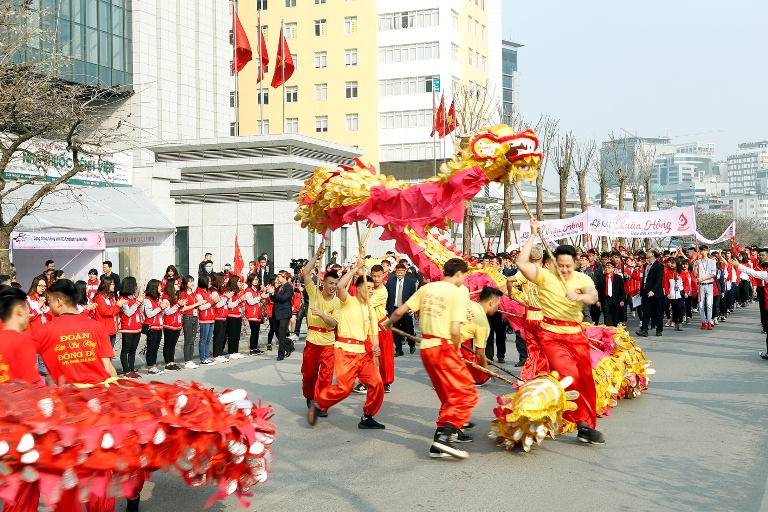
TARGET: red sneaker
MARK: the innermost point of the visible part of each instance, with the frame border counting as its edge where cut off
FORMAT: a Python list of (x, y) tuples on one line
[(709, 326), (703, 326)]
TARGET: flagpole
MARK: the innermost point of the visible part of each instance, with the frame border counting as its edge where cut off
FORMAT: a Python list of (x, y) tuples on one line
[(260, 75), (445, 116), (234, 60), (434, 129), (282, 67)]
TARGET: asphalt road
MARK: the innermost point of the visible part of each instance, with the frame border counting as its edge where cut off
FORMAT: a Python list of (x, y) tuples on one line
[(695, 441)]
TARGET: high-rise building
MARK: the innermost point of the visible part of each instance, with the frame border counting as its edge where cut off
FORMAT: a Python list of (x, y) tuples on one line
[(621, 152), (748, 168), (366, 72), (510, 81)]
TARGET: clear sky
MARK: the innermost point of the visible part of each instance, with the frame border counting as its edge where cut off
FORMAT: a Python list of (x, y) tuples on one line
[(653, 67)]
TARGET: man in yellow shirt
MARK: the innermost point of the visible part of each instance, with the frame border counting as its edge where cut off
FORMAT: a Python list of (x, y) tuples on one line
[(322, 318), (353, 354), (443, 307), (474, 333), (560, 335), (386, 343)]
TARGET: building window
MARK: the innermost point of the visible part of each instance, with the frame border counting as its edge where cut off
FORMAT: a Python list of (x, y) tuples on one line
[(343, 247), (482, 4), (469, 52), (469, 24), (350, 57), (232, 98), (262, 97), (405, 119), (292, 125), (482, 33), (409, 52), (261, 5), (351, 122), (291, 94), (455, 20), (265, 33), (291, 29), (477, 28), (402, 86), (321, 124), (264, 127), (233, 129), (455, 84), (321, 60), (295, 59), (351, 89), (483, 62), (320, 28), (409, 19), (350, 25), (318, 2), (477, 60), (409, 151), (321, 92), (290, 3), (454, 52)]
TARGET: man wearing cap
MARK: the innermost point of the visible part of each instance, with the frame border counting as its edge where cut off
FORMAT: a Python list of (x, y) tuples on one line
[(399, 290)]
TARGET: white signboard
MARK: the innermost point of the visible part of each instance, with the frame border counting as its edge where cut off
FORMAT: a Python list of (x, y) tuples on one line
[(479, 210), (655, 224), (47, 161), (556, 229), (137, 239), (87, 241)]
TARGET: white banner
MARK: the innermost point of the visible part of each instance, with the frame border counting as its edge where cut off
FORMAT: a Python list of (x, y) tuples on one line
[(137, 239), (655, 224), (554, 230), (86, 241), (730, 232)]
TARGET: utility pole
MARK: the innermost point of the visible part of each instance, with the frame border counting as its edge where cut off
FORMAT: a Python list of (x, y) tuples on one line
[(506, 221)]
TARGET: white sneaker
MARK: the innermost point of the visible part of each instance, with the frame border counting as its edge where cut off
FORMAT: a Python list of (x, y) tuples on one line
[(221, 359), (236, 355), (293, 337), (190, 364)]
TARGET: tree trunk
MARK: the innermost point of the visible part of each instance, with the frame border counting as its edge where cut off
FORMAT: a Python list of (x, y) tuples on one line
[(466, 237), (603, 204), (582, 179), (563, 195), (506, 221), (539, 197), (622, 187), (648, 202), (5, 255)]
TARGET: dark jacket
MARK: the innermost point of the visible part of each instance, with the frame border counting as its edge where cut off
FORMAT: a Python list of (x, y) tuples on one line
[(618, 294), (653, 282), (115, 279), (282, 299), (409, 288), (265, 274)]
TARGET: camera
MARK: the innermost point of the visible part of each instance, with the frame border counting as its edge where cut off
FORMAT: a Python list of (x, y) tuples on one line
[(296, 266)]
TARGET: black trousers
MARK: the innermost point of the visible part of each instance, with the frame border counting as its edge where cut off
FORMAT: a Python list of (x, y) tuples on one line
[(744, 291), (677, 310), (153, 344), (219, 337), (300, 316), (170, 338), (763, 311), (233, 334), (253, 343), (498, 335), (128, 352), (404, 324), (522, 349), (612, 314), (594, 313), (283, 343), (273, 323), (652, 313)]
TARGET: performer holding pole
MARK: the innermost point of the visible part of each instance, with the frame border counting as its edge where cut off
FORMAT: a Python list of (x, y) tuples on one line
[(322, 319), (353, 353), (560, 335), (378, 303), (443, 307)]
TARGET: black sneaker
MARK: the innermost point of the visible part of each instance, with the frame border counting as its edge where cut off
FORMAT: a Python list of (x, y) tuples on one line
[(644, 334), (173, 366), (367, 422), (360, 389), (133, 505), (322, 414), (764, 355), (446, 440), (387, 388), (313, 413), (437, 454), (463, 438), (309, 401), (519, 364), (501, 360), (269, 347), (469, 426), (590, 435)]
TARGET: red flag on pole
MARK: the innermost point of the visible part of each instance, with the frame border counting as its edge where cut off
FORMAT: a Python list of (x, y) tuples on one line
[(451, 123), (243, 54), (239, 262), (439, 120), (262, 53), (284, 63)]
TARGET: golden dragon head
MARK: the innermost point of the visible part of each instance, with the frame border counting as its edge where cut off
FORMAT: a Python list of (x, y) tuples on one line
[(499, 151)]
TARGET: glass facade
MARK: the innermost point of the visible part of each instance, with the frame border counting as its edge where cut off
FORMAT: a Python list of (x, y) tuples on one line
[(508, 66), (94, 34)]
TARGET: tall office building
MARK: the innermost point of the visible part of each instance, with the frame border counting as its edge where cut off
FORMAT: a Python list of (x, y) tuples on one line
[(367, 71), (510, 81), (748, 168)]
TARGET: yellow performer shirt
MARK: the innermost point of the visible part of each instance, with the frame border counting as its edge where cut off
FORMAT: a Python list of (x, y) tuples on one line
[(476, 326), (329, 308), (353, 324), (439, 304), (553, 302), (529, 295), (379, 302)]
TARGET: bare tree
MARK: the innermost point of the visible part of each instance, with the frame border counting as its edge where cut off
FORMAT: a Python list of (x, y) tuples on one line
[(645, 158), (43, 116), (562, 160), (602, 177), (583, 162), (476, 107), (546, 131)]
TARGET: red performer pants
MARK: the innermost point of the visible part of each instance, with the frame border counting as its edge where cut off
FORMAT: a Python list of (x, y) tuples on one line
[(568, 355), (316, 369), (386, 355), (468, 353), (453, 384), (536, 363), (350, 366)]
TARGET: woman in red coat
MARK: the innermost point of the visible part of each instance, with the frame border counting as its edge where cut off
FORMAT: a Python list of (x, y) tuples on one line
[(107, 308), (172, 321)]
